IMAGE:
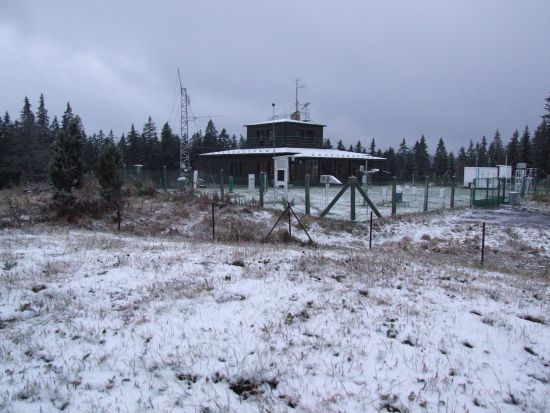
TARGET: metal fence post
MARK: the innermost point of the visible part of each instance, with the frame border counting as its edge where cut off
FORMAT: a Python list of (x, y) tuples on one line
[(394, 196), (472, 193), (498, 191), (221, 185), (353, 181), (370, 231), (307, 199), (453, 184), (213, 224), (483, 245), (262, 189), (426, 188), (289, 223)]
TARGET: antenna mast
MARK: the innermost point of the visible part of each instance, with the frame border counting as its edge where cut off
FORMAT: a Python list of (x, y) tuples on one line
[(185, 161), (298, 86)]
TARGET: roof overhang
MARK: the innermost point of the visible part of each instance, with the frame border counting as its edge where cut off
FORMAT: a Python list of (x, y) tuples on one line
[(296, 153)]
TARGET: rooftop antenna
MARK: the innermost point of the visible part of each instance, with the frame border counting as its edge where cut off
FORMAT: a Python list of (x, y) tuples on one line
[(305, 108), (185, 163), (296, 114), (298, 86)]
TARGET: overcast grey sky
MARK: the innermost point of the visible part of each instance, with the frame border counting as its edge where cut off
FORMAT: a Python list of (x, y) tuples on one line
[(385, 69)]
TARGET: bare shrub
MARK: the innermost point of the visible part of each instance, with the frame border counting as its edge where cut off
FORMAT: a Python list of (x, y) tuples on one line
[(232, 225), (14, 210), (136, 187), (88, 200), (148, 188)]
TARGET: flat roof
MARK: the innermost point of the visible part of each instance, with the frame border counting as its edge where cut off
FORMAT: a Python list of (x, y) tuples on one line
[(297, 153), (270, 122)]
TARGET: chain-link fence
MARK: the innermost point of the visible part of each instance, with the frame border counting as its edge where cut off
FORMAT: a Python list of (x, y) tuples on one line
[(411, 198)]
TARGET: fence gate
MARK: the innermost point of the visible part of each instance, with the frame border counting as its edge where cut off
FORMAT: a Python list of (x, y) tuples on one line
[(488, 192)]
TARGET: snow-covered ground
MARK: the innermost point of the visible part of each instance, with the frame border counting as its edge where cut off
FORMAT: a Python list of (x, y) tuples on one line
[(95, 321)]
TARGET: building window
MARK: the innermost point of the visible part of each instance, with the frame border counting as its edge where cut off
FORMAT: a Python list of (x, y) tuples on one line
[(257, 134), (242, 168), (310, 134)]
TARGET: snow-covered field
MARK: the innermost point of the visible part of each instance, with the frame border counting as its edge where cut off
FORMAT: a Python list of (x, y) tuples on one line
[(95, 321)]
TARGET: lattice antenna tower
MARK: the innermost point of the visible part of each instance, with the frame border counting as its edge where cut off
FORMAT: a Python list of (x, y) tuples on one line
[(185, 159), (298, 86)]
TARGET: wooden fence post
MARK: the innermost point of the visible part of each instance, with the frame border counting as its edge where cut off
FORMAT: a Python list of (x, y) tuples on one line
[(353, 183), (426, 189), (307, 198)]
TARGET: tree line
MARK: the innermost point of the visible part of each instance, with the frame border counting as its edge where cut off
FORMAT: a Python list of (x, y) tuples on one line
[(408, 163), (27, 144), (27, 148)]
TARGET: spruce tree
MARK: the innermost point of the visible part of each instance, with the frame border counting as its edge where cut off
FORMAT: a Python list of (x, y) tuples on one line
[(210, 139), (441, 160), (359, 147), (482, 153), (340, 145), (372, 147), (496, 152), (197, 146), (404, 162), (460, 163), (541, 149), (451, 171), (43, 121), (134, 153), (109, 171), (169, 147), (68, 116), (66, 169), (26, 147), (525, 147), (54, 130), (10, 162), (513, 150), (151, 152), (471, 154), (109, 174), (541, 144), (390, 165), (242, 142), (421, 158), (43, 140), (224, 140)]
